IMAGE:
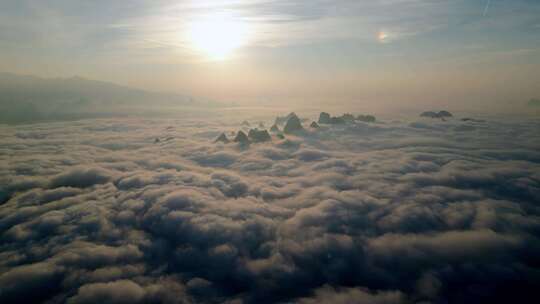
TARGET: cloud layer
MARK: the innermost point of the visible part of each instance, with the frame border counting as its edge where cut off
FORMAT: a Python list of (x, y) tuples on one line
[(404, 211)]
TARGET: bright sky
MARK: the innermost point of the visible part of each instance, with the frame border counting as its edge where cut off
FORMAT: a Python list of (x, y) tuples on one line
[(264, 51)]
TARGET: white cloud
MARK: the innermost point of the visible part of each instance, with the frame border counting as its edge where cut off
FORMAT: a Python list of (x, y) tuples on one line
[(382, 213)]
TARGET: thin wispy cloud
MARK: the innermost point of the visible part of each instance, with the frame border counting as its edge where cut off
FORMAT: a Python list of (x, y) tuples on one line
[(486, 8), (344, 36), (149, 152), (305, 21)]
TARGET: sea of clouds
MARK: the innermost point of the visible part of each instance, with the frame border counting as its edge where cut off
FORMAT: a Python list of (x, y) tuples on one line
[(399, 211)]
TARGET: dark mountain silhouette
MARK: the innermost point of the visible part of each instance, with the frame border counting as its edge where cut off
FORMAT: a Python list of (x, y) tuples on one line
[(26, 99), (293, 124)]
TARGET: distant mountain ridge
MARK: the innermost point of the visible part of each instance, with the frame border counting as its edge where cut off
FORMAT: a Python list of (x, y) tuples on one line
[(534, 102), (31, 98)]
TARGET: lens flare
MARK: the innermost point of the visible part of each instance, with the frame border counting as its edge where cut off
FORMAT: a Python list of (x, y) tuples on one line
[(382, 36)]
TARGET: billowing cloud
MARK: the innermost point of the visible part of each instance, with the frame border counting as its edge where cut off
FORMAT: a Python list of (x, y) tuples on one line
[(395, 212), (124, 291), (328, 294)]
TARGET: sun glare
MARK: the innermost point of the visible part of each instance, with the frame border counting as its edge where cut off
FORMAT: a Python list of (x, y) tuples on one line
[(218, 35)]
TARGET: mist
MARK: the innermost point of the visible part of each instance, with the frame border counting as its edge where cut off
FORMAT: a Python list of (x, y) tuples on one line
[(269, 151)]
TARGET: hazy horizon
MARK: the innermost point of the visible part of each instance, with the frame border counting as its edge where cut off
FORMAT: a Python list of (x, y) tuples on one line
[(269, 151), (136, 99)]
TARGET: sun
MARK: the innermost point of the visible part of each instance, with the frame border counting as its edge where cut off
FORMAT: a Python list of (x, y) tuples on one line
[(218, 35)]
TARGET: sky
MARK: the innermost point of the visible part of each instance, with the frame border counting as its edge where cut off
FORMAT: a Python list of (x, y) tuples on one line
[(115, 195), (464, 53)]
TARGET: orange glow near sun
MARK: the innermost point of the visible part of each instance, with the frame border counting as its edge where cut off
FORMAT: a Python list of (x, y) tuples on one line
[(382, 36)]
